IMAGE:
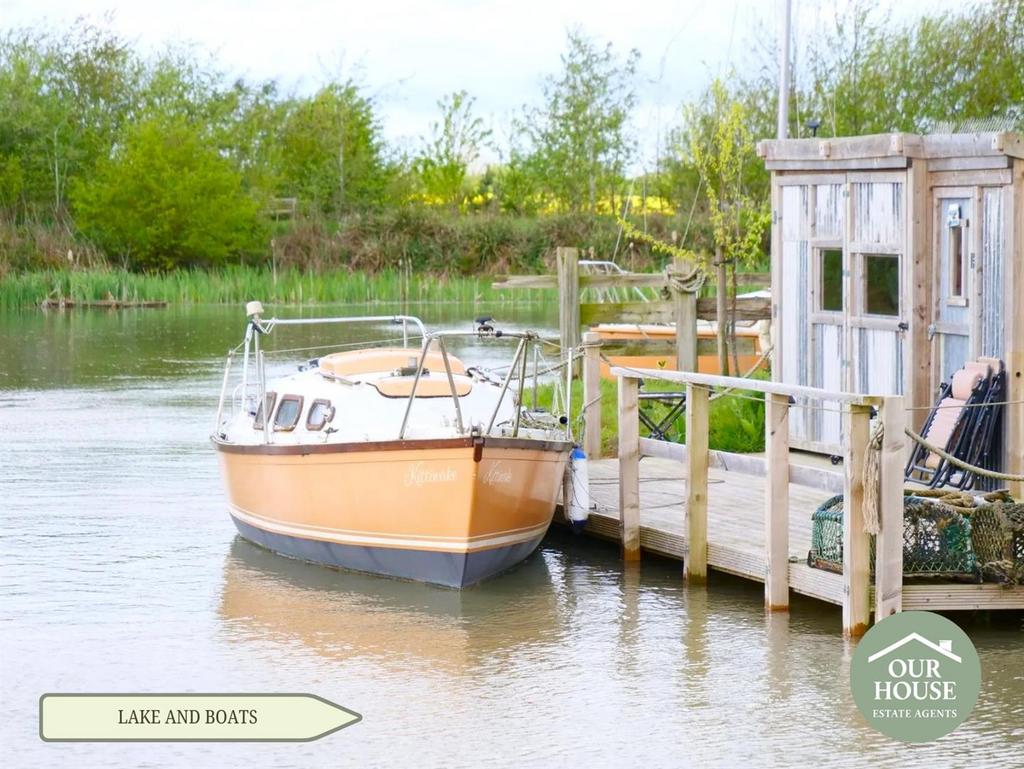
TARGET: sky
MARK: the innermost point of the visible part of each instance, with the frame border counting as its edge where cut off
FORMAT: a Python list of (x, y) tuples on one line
[(410, 53)]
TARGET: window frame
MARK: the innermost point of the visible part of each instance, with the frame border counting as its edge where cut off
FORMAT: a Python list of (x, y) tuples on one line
[(956, 298), (819, 280), (328, 414), (863, 287), (257, 421), (298, 412)]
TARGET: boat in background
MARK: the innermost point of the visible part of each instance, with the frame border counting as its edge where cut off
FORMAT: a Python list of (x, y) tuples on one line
[(752, 341), (395, 460)]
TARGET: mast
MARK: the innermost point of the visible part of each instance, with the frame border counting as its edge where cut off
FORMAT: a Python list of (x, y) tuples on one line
[(783, 121)]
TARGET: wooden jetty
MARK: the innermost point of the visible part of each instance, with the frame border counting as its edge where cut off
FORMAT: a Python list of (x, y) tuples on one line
[(750, 515), (60, 303)]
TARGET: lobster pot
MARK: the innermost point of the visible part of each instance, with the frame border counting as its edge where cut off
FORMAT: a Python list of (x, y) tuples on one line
[(827, 536), (998, 540), (936, 539)]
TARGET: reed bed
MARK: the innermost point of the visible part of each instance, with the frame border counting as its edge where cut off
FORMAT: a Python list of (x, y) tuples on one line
[(233, 284)]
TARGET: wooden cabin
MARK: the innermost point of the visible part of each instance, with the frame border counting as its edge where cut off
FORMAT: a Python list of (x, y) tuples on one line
[(896, 258)]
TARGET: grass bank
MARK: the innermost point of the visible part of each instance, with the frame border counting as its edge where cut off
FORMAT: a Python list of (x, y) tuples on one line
[(736, 422), (234, 284)]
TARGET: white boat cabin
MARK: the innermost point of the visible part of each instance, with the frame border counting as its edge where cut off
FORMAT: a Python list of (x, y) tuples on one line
[(895, 259)]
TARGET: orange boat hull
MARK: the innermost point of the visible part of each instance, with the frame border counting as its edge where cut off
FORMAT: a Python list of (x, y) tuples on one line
[(451, 512)]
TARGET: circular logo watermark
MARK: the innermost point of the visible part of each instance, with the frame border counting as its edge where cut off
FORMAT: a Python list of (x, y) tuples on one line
[(915, 676)]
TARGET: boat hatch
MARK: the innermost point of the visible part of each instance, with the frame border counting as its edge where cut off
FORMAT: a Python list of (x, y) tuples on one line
[(354, 362), (430, 386)]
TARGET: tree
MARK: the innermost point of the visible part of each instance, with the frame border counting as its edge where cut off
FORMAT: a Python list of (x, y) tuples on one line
[(580, 134), (167, 198), (454, 144), (720, 147), (331, 151)]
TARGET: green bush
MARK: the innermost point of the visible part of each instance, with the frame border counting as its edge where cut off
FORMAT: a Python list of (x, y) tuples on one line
[(166, 198)]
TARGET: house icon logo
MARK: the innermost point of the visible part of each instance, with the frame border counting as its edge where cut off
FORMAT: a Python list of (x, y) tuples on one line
[(915, 676)]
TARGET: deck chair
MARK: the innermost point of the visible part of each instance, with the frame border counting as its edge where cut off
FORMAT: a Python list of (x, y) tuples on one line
[(982, 447), (662, 427), (951, 424)]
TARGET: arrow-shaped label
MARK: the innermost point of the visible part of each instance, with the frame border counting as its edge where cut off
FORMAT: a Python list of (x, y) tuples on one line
[(190, 717)]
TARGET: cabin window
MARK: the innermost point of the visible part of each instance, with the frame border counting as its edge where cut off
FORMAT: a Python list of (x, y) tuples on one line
[(882, 284), (320, 413), (956, 262), (830, 268), (288, 413), (268, 402)]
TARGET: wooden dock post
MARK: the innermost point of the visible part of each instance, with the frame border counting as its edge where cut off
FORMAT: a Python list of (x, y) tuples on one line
[(697, 406), (568, 297), (685, 309), (889, 544), (856, 542), (776, 498), (592, 394), (629, 466)]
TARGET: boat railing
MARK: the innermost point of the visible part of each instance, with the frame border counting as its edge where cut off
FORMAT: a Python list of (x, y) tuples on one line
[(257, 327)]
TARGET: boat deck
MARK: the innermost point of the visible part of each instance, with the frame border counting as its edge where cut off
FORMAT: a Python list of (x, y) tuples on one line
[(736, 531)]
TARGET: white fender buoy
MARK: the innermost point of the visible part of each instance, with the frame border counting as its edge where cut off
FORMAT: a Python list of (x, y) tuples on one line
[(578, 509)]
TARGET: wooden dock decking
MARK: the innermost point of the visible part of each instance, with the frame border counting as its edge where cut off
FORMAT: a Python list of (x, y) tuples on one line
[(736, 531)]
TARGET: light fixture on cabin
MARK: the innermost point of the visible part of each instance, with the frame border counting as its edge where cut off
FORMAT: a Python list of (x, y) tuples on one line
[(812, 125)]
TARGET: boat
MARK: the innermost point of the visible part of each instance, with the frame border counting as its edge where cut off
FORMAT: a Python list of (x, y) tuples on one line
[(752, 341), (397, 459)]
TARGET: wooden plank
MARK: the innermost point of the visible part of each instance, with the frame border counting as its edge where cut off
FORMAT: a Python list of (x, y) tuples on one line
[(592, 394), (525, 281), (698, 406), (592, 313), (747, 308), (629, 467), (953, 597), (685, 311), (568, 297), (983, 163), (1013, 215), (776, 526), (753, 385), (975, 284), (856, 554), (659, 347), (841, 148), (880, 164), (984, 178), (889, 543), (919, 268), (747, 464), (616, 280)]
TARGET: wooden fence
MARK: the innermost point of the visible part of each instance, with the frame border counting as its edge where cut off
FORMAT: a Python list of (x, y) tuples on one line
[(682, 308), (855, 594)]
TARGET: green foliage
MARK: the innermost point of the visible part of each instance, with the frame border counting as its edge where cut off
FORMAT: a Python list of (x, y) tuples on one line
[(454, 145), (721, 146), (166, 198), (331, 150), (237, 284), (581, 145)]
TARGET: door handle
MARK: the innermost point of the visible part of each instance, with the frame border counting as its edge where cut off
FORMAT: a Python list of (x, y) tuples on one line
[(903, 325)]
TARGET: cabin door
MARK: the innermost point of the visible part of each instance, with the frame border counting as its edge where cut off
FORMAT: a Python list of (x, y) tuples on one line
[(840, 306), (953, 281), (969, 280)]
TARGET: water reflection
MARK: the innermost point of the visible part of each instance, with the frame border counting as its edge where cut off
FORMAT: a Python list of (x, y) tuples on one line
[(343, 614)]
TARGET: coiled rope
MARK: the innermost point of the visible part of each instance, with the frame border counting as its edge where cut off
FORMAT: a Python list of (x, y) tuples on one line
[(872, 478)]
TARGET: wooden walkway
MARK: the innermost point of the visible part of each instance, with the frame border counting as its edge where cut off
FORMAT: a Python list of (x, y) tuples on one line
[(736, 526)]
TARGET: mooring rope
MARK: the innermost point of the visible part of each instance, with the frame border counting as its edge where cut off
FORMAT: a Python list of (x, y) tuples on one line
[(872, 478), (872, 482), (960, 463)]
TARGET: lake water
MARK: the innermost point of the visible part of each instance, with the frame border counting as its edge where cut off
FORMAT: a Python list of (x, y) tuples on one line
[(120, 571)]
